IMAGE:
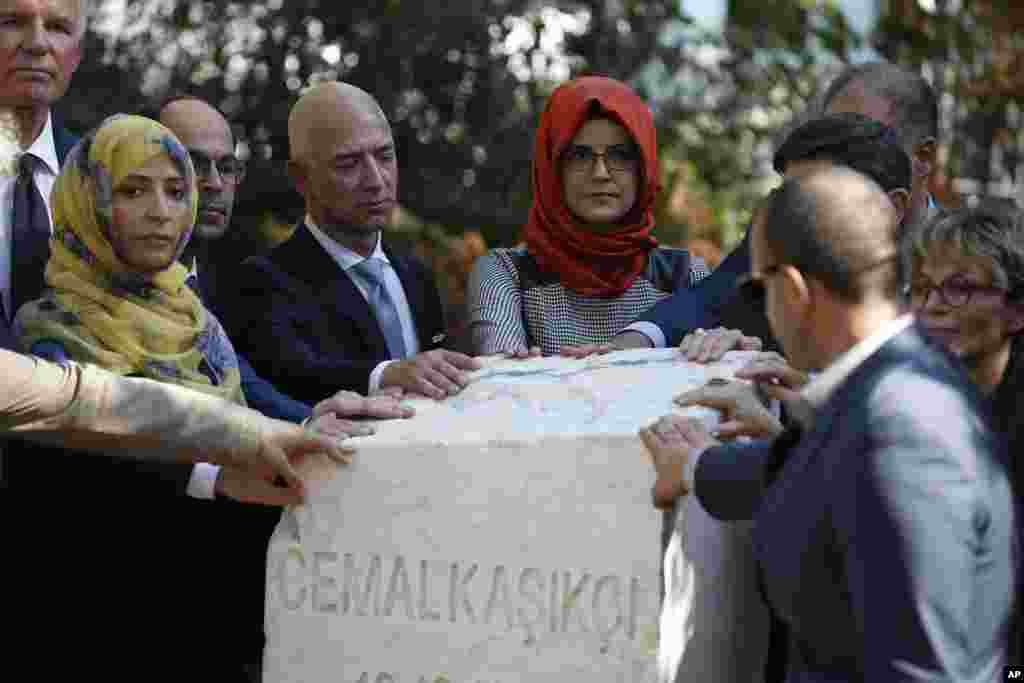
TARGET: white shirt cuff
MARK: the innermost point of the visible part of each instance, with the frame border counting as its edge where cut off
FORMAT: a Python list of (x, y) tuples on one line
[(201, 482), (374, 383), (690, 472), (649, 330)]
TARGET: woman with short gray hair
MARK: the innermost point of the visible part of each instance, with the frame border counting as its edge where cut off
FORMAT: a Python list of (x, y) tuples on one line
[(967, 289)]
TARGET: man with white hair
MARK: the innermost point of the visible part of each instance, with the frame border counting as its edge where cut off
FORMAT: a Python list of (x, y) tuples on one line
[(40, 48)]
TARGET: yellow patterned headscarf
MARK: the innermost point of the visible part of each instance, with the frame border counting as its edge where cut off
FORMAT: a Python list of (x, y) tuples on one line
[(100, 310)]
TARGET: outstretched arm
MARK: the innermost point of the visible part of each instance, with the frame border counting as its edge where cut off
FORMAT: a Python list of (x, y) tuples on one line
[(81, 406)]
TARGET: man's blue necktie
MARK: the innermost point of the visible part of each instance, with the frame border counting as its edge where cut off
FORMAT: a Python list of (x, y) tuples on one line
[(371, 270)]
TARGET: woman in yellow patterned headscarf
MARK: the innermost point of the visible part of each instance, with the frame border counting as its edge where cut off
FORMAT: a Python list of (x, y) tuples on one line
[(123, 209)]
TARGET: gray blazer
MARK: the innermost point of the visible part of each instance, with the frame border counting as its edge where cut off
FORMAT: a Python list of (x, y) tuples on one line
[(884, 533)]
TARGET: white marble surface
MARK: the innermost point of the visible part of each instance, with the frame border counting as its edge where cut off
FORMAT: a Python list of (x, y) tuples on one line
[(507, 535)]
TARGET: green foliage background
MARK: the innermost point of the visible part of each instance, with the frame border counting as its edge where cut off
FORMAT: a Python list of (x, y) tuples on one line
[(464, 81)]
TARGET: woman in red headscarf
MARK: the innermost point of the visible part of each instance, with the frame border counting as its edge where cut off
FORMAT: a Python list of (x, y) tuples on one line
[(589, 265)]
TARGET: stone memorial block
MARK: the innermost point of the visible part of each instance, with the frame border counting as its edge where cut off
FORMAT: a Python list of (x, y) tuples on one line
[(506, 535)]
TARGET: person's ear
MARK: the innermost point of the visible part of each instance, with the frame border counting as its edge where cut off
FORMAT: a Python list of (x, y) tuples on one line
[(922, 161), (796, 290), (901, 200)]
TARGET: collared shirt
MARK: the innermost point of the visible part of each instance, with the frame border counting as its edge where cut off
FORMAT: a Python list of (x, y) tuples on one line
[(45, 175), (820, 389), (347, 260)]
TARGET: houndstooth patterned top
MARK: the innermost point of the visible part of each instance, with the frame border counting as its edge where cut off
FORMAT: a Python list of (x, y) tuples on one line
[(513, 305)]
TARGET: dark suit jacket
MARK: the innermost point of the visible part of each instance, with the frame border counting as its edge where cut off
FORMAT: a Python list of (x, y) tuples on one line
[(712, 303), (884, 532), (63, 141), (260, 394), (305, 326)]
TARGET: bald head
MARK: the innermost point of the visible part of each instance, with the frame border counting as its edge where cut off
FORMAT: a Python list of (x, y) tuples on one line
[(190, 115), (207, 135), (331, 110), (343, 162), (839, 227)]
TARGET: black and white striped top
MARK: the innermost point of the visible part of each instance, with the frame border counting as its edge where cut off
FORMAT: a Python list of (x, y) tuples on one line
[(513, 305)]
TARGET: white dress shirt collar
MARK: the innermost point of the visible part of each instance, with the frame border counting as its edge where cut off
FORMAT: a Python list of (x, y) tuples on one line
[(821, 388), (342, 255), (45, 148)]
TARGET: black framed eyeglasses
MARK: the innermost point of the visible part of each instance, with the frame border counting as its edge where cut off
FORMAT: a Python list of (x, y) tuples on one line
[(956, 290), (751, 286), (230, 168), (617, 158)]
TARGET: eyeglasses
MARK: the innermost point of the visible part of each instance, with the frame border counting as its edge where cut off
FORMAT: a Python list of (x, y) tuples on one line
[(617, 158), (230, 168), (956, 290), (751, 287)]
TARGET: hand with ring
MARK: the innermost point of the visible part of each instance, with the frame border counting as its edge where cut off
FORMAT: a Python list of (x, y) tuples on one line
[(743, 414), (704, 346)]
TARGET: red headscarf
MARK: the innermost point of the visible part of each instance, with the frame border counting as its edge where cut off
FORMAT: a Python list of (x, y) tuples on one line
[(594, 263)]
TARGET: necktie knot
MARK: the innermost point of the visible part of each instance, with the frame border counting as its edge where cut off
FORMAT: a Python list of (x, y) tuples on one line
[(372, 269), (27, 164)]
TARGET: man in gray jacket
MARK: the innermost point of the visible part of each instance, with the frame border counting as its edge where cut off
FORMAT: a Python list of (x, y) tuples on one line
[(883, 528)]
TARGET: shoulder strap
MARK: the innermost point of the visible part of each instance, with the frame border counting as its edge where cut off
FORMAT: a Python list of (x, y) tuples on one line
[(668, 268), (529, 272)]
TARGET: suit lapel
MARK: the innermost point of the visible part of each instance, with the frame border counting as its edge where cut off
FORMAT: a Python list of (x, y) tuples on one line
[(63, 141), (307, 260)]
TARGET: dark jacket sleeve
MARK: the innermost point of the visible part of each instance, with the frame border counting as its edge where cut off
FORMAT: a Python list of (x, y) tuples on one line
[(730, 479), (261, 395), (286, 340), (700, 306)]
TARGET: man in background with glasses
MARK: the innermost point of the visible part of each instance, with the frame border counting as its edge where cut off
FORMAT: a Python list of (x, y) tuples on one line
[(219, 172)]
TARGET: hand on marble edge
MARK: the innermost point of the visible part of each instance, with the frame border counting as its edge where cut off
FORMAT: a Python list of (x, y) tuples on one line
[(272, 471), (673, 444), (435, 374), (523, 354), (777, 379), (708, 346), (245, 486), (385, 404), (585, 350), (743, 413)]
